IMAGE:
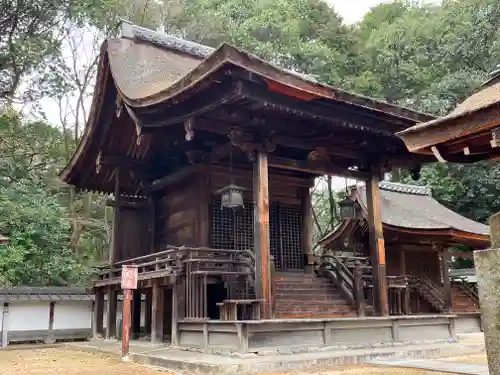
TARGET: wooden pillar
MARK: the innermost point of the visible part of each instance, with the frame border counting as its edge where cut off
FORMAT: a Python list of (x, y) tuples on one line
[(136, 313), (98, 318), (307, 227), (402, 261), (5, 325), (445, 257), (175, 314), (50, 339), (111, 313), (377, 245), (261, 234), (157, 315), (148, 318)]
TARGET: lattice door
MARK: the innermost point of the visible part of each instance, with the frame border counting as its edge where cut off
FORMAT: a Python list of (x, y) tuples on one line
[(234, 230)]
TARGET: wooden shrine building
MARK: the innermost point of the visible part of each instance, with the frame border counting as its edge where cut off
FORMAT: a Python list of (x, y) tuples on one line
[(210, 155), (420, 236), (469, 133)]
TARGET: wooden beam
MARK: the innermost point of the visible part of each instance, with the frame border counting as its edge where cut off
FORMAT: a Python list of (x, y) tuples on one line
[(175, 176), (126, 204), (304, 144), (261, 236), (377, 245), (316, 168), (157, 312)]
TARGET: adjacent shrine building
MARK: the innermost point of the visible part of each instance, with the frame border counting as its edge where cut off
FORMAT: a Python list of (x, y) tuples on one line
[(421, 236), (210, 156)]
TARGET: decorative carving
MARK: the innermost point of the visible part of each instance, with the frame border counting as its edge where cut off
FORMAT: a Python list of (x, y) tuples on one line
[(189, 129), (320, 154), (119, 105)]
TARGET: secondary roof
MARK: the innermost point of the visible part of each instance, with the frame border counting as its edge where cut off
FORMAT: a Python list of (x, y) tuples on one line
[(411, 211)]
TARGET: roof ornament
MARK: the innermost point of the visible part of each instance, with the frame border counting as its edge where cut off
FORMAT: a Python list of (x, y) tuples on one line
[(188, 128), (495, 137), (119, 105)]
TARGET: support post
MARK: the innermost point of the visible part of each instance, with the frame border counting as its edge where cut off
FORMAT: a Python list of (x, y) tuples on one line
[(50, 339), (359, 297), (148, 318), (307, 221), (127, 296), (261, 236), (5, 325), (157, 312), (175, 312), (377, 245), (111, 313), (448, 301), (98, 318)]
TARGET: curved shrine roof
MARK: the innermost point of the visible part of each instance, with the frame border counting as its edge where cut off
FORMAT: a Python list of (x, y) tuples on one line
[(147, 80)]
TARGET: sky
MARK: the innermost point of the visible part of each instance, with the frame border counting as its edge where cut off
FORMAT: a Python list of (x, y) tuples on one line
[(354, 10)]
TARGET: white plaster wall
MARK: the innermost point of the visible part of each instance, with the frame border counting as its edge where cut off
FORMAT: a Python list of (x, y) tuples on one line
[(72, 314), (28, 316)]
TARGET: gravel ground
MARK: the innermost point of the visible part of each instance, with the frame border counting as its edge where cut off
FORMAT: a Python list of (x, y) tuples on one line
[(61, 361)]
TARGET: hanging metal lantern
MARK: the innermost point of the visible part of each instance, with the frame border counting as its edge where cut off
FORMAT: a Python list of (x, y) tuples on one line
[(349, 209), (231, 195)]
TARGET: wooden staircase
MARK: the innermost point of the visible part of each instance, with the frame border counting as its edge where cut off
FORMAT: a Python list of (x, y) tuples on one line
[(430, 292), (462, 301), (308, 295)]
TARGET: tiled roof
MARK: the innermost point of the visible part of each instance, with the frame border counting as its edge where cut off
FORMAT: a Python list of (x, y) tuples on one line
[(54, 293), (413, 207), (404, 188)]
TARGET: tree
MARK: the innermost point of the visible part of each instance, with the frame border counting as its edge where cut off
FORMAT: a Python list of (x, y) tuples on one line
[(38, 228)]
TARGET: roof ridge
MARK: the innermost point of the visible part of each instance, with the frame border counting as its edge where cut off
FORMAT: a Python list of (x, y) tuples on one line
[(405, 188), (131, 31)]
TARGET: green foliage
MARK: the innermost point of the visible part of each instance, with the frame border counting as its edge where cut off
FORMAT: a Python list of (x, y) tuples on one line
[(38, 228), (427, 57)]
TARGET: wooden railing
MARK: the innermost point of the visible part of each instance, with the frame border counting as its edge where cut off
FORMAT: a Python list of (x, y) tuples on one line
[(176, 261), (428, 290), (347, 274)]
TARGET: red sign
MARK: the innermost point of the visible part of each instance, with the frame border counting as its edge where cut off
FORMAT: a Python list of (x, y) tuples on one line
[(129, 277)]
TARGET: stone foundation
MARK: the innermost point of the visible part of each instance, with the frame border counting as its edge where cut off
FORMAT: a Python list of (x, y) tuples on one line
[(286, 336)]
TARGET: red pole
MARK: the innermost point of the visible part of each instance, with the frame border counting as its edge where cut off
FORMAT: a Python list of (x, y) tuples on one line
[(127, 297)]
